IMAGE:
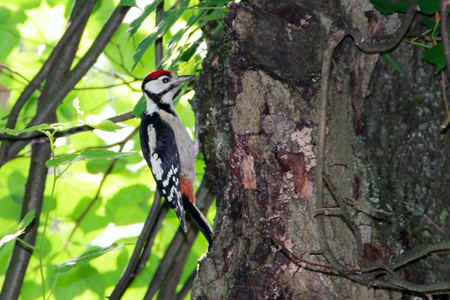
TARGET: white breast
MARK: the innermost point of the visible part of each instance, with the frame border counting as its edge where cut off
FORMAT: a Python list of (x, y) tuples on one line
[(186, 147)]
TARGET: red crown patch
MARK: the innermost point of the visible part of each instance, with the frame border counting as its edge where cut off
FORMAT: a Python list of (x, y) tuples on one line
[(157, 74)]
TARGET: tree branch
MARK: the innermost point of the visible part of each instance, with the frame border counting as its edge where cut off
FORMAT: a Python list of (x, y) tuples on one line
[(34, 195), (97, 194), (63, 133), (345, 214), (71, 79), (151, 226), (69, 40), (159, 41), (178, 251), (187, 286), (75, 24)]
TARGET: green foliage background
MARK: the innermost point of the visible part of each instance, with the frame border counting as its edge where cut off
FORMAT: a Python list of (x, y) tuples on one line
[(88, 264)]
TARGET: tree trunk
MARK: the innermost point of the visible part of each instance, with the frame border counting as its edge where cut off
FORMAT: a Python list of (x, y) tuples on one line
[(258, 106)]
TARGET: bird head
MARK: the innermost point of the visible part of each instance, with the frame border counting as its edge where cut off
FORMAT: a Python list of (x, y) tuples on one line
[(159, 87)]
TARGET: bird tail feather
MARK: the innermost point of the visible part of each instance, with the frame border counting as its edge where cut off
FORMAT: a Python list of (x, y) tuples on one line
[(199, 219)]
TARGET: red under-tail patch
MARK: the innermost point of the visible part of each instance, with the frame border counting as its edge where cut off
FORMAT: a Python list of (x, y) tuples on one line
[(187, 189), (158, 73)]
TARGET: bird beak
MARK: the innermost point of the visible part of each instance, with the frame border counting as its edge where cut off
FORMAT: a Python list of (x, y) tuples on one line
[(182, 79)]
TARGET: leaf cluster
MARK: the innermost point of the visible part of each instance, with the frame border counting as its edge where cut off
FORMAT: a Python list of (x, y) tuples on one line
[(99, 189), (430, 39)]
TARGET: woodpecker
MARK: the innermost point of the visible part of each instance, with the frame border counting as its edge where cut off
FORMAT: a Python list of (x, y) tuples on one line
[(168, 148)]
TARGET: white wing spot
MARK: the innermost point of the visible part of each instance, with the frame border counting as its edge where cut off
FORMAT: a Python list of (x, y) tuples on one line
[(174, 195), (151, 137), (156, 162), (173, 170)]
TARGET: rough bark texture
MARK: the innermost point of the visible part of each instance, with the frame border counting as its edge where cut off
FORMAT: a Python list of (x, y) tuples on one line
[(409, 161), (257, 115)]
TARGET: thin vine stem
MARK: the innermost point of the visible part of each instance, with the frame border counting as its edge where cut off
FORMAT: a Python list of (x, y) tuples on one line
[(50, 136)]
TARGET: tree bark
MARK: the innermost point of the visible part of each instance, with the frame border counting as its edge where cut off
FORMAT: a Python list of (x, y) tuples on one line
[(258, 113)]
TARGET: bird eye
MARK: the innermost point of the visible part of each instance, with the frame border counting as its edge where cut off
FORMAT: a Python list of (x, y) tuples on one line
[(165, 80)]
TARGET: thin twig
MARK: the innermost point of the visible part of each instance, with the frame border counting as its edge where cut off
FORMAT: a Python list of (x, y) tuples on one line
[(2, 66), (159, 41), (433, 223), (345, 214), (72, 78), (99, 189), (445, 40), (33, 198), (127, 83), (386, 44), (152, 222), (63, 133), (183, 241), (187, 286), (74, 25), (321, 146)]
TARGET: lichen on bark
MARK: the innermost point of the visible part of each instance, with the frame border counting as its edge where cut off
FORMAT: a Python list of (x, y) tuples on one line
[(257, 113)]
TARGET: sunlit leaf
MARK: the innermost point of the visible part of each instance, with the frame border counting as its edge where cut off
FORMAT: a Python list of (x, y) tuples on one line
[(29, 217), (88, 154), (25, 130), (86, 257), (217, 3), (10, 237), (187, 54), (127, 2), (169, 18), (139, 107), (134, 26), (105, 125)]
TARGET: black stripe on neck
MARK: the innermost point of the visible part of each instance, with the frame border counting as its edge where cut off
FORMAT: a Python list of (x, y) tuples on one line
[(157, 100)]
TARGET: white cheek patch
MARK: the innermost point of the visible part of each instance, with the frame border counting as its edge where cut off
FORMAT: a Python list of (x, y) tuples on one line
[(155, 86)]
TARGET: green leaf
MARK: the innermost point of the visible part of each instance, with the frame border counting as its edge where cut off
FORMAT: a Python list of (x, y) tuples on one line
[(445, 126), (216, 2), (86, 257), (10, 237), (86, 155), (134, 26), (105, 125), (127, 2), (187, 54), (24, 130), (387, 7), (139, 107), (390, 59), (435, 56), (428, 7), (177, 36), (29, 217), (430, 24), (169, 18)]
